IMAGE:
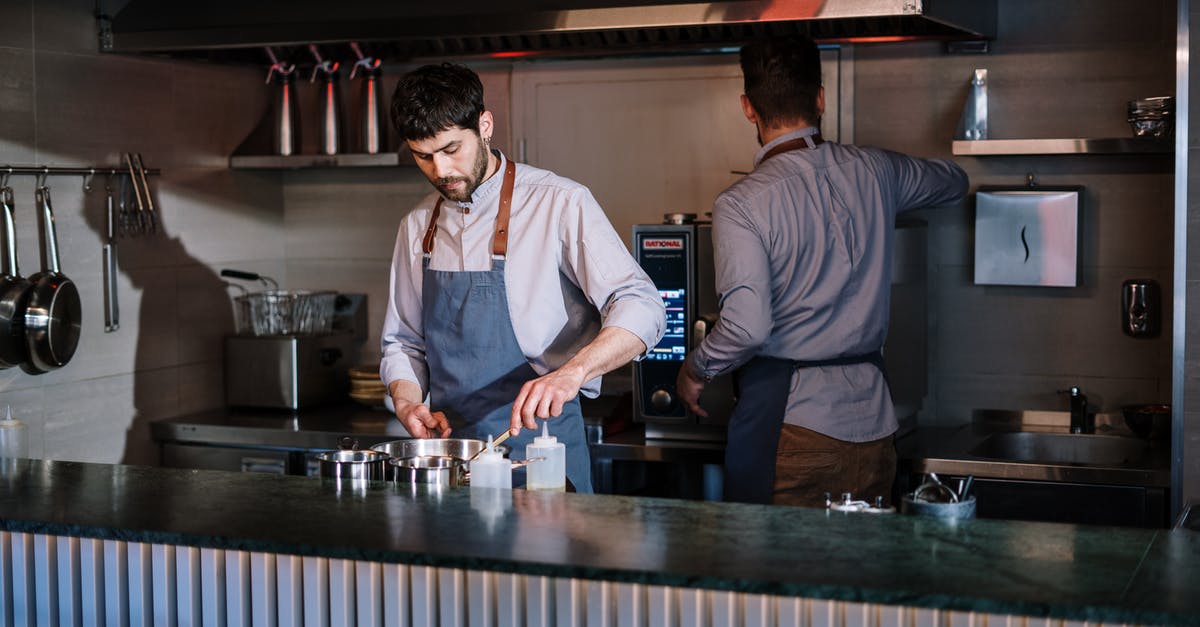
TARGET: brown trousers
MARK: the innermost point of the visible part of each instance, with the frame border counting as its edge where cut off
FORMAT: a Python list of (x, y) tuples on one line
[(808, 465)]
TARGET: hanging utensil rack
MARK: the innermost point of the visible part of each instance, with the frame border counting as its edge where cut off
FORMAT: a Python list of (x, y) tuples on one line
[(88, 173)]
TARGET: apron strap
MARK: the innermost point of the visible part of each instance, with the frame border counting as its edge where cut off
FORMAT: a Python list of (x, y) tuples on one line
[(800, 143), (500, 239)]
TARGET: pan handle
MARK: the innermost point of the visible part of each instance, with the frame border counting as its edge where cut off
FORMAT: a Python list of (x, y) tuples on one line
[(46, 226), (8, 256), (111, 314)]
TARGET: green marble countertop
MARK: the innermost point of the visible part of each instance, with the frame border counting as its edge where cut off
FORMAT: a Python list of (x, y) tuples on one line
[(1002, 567)]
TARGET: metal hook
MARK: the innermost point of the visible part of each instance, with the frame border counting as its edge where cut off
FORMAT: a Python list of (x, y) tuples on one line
[(1030, 179), (4, 178), (108, 181), (41, 178), (87, 180)]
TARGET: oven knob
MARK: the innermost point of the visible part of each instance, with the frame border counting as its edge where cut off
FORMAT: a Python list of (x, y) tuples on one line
[(661, 399)]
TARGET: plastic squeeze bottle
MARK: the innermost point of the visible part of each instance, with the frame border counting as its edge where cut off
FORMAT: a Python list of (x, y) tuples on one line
[(551, 472), (13, 440), (491, 469)]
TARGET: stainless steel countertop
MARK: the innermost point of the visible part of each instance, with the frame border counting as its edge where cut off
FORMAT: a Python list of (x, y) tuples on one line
[(949, 450)]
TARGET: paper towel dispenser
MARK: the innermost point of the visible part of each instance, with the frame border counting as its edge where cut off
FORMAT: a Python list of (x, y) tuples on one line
[(1027, 236)]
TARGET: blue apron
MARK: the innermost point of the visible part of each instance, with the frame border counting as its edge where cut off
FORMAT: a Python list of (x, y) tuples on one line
[(762, 386), (476, 366)]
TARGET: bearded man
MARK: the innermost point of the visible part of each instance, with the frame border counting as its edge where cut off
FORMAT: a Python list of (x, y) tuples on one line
[(511, 293)]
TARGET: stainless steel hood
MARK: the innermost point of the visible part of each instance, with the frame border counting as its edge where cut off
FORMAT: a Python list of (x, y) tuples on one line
[(399, 30)]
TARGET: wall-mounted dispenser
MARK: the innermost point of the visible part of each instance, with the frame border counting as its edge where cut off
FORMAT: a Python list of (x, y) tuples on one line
[(1141, 308), (1027, 236)]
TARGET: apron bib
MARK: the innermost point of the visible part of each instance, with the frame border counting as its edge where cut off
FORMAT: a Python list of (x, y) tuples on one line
[(476, 366)]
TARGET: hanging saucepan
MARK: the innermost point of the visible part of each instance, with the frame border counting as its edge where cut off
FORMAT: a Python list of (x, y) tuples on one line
[(53, 315), (14, 290)]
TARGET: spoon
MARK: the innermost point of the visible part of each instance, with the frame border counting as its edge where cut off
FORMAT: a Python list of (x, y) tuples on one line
[(496, 440)]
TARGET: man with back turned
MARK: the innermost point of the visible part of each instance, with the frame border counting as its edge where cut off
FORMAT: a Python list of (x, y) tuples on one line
[(803, 251)]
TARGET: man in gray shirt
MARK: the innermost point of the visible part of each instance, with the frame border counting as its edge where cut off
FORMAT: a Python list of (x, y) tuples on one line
[(803, 249)]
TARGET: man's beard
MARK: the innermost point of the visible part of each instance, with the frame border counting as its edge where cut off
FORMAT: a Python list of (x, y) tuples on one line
[(472, 182)]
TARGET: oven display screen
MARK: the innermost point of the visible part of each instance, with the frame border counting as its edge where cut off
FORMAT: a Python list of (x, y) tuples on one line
[(673, 346)]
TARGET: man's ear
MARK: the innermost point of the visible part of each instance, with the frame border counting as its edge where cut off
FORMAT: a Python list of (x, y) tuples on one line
[(820, 102), (748, 110), (485, 125)]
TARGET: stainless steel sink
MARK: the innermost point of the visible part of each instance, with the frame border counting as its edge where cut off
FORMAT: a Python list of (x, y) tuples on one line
[(1061, 448)]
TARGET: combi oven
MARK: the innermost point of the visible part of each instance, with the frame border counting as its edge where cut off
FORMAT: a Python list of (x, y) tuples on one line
[(678, 257)]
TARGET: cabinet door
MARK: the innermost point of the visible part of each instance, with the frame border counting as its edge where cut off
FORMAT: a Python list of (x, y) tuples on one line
[(651, 136)]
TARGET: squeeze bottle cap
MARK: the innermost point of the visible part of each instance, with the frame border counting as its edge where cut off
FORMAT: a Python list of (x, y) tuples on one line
[(8, 419), (545, 438), (489, 451)]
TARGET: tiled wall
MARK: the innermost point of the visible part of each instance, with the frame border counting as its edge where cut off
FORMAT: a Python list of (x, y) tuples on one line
[(64, 104), (1064, 69)]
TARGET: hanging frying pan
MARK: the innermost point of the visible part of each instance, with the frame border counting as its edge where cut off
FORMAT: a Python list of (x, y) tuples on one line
[(53, 315), (14, 290)]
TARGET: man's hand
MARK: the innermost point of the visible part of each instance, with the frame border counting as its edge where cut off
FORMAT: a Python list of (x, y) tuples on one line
[(415, 415), (544, 397), (689, 386), (420, 422)]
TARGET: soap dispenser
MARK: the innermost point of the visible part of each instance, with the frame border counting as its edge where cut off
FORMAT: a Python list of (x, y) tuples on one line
[(550, 472), (490, 469), (13, 440)]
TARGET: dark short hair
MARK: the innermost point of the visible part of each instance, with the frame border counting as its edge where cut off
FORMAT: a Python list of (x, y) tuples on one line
[(782, 79), (433, 98)]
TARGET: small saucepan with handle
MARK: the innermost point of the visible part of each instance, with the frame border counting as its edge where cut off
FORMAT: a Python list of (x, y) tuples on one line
[(52, 318), (14, 289)]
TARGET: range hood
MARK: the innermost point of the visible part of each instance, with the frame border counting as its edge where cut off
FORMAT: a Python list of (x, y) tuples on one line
[(400, 30)]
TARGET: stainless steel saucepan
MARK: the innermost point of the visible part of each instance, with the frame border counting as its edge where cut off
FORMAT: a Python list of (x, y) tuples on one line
[(52, 319), (14, 290), (350, 463)]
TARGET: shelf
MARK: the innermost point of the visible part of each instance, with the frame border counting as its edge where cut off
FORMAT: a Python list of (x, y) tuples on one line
[(297, 162), (1070, 146)]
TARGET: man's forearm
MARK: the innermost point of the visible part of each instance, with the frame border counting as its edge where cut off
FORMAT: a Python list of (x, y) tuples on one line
[(612, 348)]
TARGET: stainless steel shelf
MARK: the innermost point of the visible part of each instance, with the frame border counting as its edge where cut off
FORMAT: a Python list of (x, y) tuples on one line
[(1068, 146), (296, 162)]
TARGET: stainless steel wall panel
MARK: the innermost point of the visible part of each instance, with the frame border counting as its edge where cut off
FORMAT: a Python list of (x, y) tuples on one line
[(510, 600), (237, 588), (540, 609), (316, 592), (162, 578), (481, 598), (368, 585), (91, 580), (341, 593), (693, 608), (188, 595), (452, 597), (600, 604), (397, 606), (68, 584), (45, 579), (424, 596), (212, 587), (116, 583), (726, 609), (630, 604), (289, 586)]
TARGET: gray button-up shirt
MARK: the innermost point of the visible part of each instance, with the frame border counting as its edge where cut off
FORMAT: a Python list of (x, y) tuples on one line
[(567, 273), (803, 249)]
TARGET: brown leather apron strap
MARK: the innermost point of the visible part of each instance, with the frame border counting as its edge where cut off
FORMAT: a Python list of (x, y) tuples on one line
[(431, 230), (500, 239), (799, 143)]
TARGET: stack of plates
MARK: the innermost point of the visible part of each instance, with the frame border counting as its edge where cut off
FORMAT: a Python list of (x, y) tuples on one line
[(365, 386)]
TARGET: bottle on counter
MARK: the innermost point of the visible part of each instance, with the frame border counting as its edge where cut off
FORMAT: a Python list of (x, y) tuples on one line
[(14, 442), (551, 472), (491, 469)]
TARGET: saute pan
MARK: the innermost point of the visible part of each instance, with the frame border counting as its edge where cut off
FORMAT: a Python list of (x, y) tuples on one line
[(14, 290), (53, 315)]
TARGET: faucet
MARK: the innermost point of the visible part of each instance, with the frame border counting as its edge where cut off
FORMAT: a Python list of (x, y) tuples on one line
[(1081, 420)]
